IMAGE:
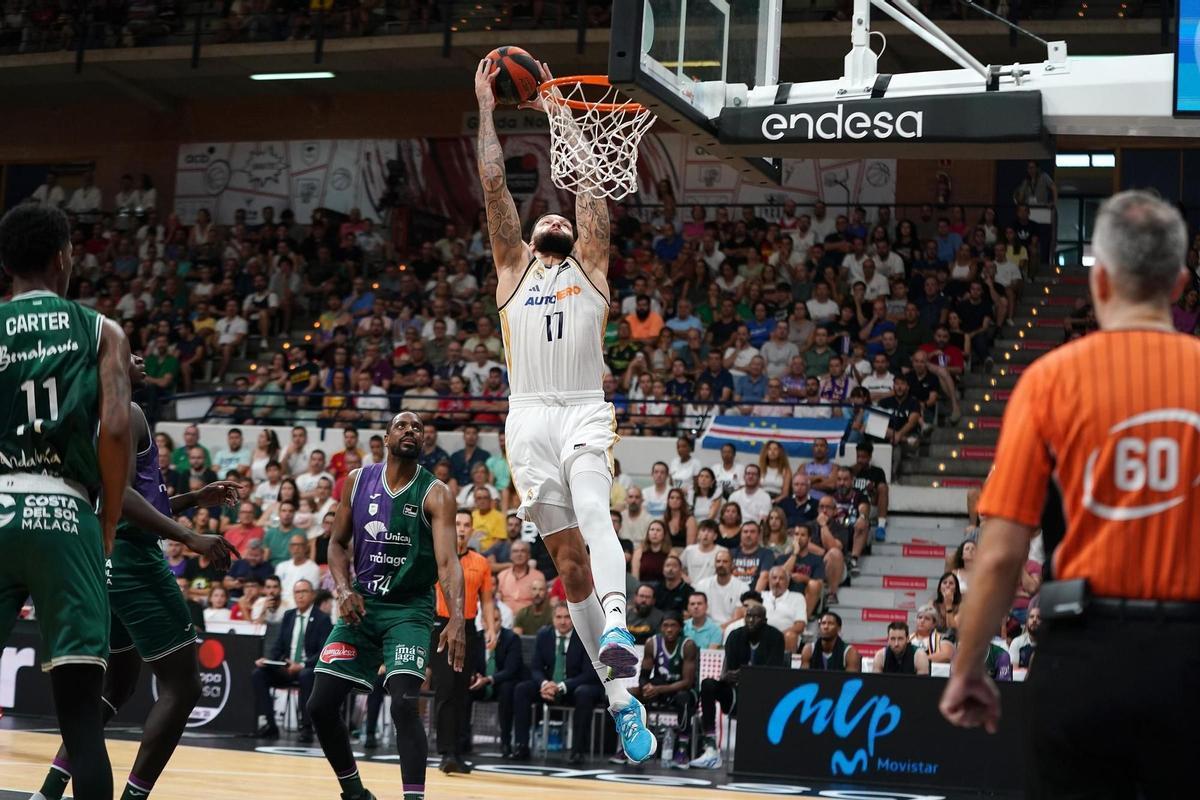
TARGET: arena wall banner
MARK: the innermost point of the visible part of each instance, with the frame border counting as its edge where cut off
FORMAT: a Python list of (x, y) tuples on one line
[(303, 175), (440, 176), (885, 729), (226, 702)]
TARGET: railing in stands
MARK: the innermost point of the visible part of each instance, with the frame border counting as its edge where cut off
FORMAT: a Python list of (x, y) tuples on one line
[(287, 408), (81, 26)]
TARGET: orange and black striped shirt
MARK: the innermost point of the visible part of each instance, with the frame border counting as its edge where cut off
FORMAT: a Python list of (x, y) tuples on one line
[(1115, 417), (477, 578)]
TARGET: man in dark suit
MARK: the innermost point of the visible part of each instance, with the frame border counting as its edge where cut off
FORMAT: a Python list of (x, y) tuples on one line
[(561, 674), (495, 674), (290, 662)]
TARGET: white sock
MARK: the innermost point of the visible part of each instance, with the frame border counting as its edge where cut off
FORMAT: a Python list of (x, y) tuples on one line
[(591, 485), (588, 619)]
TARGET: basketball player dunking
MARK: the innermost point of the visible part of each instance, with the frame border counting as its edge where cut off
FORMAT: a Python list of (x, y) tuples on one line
[(553, 301)]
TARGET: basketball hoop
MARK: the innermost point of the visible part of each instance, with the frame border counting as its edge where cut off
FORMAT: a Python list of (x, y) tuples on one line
[(594, 136)]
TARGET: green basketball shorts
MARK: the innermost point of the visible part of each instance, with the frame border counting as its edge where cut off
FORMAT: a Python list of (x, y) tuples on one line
[(53, 552), (391, 634), (148, 610)]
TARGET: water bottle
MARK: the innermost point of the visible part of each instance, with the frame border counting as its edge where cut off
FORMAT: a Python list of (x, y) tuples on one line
[(668, 748)]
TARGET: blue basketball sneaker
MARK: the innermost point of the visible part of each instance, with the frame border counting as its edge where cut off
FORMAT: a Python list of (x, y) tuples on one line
[(618, 653), (636, 739)]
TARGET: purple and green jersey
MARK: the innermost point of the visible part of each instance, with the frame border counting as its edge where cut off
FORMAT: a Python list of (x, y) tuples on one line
[(394, 559)]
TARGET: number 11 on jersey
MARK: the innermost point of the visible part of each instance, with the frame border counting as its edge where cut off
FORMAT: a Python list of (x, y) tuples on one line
[(551, 335), (30, 390)]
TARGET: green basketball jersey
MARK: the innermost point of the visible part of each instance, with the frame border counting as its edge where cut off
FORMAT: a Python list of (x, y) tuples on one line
[(49, 387), (393, 540)]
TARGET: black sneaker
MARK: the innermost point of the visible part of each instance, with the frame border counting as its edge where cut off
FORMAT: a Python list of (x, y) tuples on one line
[(268, 731), (370, 743), (454, 765), (855, 570)]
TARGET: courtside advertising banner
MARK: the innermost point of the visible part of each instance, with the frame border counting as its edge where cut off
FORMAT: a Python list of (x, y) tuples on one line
[(868, 728), (226, 703)]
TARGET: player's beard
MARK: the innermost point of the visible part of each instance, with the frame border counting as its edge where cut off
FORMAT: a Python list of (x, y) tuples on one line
[(554, 243), (404, 450)]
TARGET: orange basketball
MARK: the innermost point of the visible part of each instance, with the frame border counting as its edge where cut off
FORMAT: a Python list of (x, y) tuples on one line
[(519, 75)]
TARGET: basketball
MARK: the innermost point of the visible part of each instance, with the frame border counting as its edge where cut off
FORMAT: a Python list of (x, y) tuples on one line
[(519, 75)]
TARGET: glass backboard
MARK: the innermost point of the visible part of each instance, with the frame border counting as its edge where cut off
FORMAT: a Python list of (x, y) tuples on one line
[(680, 57)]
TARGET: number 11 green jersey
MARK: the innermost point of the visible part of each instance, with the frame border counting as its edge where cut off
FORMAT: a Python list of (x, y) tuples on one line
[(49, 387)]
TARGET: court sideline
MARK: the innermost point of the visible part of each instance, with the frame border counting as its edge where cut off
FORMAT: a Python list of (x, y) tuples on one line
[(227, 774)]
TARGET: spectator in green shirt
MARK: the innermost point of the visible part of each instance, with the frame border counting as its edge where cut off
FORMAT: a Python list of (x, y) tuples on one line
[(162, 370), (699, 627), (179, 458), (277, 539), (498, 466), (623, 350), (272, 383)]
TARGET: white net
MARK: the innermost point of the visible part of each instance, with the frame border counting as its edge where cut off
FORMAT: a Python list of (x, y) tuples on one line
[(594, 136)]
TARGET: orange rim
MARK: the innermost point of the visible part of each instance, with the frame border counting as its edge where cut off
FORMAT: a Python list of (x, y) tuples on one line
[(584, 105)]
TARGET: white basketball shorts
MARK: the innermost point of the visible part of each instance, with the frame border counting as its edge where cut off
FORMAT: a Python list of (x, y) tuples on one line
[(543, 440)]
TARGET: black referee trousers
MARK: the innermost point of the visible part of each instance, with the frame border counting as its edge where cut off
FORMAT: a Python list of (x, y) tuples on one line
[(1113, 709), (451, 698)]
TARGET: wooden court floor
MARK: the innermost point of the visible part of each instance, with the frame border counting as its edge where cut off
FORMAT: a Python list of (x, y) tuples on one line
[(219, 774)]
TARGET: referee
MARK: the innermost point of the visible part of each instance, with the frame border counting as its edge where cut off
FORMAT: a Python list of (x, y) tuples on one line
[(451, 696), (1114, 419)]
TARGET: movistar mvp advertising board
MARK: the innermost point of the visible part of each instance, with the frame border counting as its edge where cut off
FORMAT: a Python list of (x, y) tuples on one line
[(1187, 60), (870, 729)]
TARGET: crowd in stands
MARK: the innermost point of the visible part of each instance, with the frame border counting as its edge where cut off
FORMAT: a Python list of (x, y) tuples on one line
[(808, 313), (32, 25), (35, 25), (754, 566)]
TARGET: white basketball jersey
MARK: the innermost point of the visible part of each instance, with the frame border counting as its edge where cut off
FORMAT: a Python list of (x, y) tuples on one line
[(553, 328)]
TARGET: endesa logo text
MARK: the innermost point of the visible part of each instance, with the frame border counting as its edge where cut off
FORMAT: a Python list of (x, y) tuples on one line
[(840, 125), (846, 716)]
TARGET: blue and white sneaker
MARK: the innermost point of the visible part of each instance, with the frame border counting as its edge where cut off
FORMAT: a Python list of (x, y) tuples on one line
[(636, 739), (880, 533), (618, 653), (709, 759)]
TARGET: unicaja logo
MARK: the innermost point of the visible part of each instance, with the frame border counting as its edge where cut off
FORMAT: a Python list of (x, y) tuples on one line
[(834, 125)]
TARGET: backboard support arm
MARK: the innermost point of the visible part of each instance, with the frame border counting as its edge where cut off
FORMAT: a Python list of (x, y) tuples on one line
[(861, 63)]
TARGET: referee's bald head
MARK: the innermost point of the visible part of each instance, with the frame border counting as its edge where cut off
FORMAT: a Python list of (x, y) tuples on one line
[(1140, 243)]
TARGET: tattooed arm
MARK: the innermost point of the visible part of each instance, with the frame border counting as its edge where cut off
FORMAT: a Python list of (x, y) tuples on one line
[(592, 225), (504, 225)]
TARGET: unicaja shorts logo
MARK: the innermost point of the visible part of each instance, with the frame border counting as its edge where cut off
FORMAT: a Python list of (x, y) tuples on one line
[(837, 125), (7, 509), (338, 651)]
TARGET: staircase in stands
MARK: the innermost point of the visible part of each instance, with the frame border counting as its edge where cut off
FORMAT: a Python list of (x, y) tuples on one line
[(898, 577), (961, 456), (901, 574)]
